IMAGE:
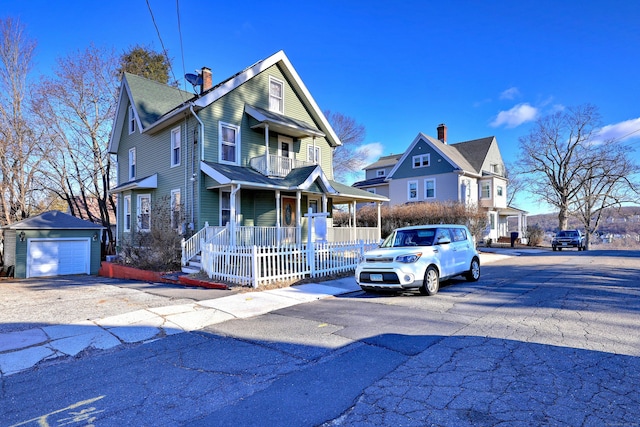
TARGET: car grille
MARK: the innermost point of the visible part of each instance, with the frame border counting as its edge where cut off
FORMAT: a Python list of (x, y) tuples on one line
[(378, 259)]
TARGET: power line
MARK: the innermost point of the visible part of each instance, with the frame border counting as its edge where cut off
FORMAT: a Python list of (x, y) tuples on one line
[(164, 50), (180, 36)]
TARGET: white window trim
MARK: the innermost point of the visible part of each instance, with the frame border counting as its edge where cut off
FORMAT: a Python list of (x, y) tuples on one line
[(381, 172), (281, 83), (499, 191), (421, 158), (311, 150), (409, 198), (126, 213), (287, 140), (132, 120), (172, 207), (237, 143), (131, 172), (371, 190), (222, 192), (139, 212), (434, 188), (482, 187), (177, 146)]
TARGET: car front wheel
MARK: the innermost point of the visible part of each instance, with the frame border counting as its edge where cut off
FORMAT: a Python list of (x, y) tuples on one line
[(431, 283), (474, 271)]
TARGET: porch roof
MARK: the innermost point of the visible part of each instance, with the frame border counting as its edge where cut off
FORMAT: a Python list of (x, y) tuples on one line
[(148, 182), (511, 211), (298, 179), (281, 123)]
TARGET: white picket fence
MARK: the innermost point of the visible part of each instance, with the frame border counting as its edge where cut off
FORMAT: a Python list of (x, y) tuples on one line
[(261, 265)]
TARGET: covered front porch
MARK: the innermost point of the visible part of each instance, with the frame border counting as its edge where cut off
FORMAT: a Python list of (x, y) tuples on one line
[(504, 221)]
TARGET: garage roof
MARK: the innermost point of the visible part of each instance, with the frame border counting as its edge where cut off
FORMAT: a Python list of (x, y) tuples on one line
[(53, 220)]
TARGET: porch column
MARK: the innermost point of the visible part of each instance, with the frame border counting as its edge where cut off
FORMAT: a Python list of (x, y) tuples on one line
[(298, 216), (278, 208), (266, 146), (353, 232), (233, 214), (379, 221)]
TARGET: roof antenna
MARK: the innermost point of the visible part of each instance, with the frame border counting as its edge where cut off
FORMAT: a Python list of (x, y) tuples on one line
[(195, 80)]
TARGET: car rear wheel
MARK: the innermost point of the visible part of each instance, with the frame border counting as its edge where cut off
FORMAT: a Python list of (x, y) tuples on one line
[(431, 283), (474, 271)]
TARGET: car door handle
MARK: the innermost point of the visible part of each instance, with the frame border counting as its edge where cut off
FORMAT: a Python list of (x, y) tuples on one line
[(435, 250)]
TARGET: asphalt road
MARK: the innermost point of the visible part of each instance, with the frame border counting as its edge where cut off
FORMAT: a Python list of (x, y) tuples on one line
[(545, 338)]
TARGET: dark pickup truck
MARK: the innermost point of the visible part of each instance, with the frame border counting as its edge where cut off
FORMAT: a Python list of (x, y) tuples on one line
[(569, 239)]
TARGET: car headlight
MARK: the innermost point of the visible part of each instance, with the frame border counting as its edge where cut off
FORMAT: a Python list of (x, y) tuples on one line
[(407, 259)]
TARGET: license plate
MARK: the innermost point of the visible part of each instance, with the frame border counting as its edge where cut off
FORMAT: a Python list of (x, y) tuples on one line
[(376, 277), (564, 243)]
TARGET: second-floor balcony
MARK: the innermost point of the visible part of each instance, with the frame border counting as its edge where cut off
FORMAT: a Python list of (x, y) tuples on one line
[(278, 166)]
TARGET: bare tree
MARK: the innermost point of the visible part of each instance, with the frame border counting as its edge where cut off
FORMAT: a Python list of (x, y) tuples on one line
[(606, 183), (20, 149), (555, 153), (348, 157), (77, 106)]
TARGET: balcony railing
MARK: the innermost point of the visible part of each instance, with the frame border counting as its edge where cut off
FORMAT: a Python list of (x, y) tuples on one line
[(277, 166)]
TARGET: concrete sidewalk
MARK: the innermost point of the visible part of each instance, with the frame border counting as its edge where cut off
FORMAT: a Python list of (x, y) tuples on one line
[(21, 350)]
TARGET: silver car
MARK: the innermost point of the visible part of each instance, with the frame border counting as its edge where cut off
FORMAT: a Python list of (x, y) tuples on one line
[(420, 257)]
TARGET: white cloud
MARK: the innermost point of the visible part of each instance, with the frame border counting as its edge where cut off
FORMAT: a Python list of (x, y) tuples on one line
[(372, 151), (516, 116), (510, 93), (629, 129)]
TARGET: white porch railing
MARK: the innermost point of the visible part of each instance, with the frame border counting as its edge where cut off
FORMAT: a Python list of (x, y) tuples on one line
[(278, 165), (268, 236), (260, 265)]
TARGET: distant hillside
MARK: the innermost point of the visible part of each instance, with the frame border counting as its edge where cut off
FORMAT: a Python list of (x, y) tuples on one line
[(625, 220)]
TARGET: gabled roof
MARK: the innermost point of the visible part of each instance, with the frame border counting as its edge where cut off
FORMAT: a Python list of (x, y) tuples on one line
[(385, 161), (157, 105), (467, 156), (53, 220), (475, 151)]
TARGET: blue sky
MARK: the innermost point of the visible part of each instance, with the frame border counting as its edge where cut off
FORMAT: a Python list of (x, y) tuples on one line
[(481, 67)]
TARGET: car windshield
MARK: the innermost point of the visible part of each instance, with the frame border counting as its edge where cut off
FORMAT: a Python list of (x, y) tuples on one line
[(567, 234), (402, 238)]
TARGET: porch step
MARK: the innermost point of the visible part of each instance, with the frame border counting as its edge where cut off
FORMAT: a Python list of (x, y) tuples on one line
[(193, 266)]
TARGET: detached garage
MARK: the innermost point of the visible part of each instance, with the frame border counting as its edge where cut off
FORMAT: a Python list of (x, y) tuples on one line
[(52, 244)]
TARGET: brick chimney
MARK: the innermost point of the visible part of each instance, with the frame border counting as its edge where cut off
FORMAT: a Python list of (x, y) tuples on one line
[(207, 80), (442, 133)]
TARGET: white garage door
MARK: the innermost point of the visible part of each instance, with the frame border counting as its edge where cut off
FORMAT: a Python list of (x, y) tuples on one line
[(54, 257)]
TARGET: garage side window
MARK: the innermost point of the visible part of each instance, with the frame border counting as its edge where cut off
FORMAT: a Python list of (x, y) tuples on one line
[(144, 212), (127, 213)]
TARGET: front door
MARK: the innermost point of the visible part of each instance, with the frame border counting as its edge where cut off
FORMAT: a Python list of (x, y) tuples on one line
[(289, 212)]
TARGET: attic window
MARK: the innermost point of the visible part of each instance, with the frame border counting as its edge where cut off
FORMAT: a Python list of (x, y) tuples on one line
[(421, 161), (132, 120), (276, 95), (380, 172)]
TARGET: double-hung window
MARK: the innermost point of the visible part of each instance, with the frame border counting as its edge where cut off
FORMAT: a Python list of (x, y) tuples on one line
[(225, 207), (132, 164), (429, 188), (132, 120), (176, 207), (412, 191), (421, 161), (380, 173), (313, 154), (485, 190), (144, 212), (276, 95), (127, 213), (229, 136), (499, 190), (175, 147)]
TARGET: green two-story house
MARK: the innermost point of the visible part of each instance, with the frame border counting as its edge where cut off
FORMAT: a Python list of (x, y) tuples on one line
[(253, 152)]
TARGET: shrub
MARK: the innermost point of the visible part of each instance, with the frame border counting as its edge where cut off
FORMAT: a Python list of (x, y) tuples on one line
[(418, 214), (159, 248), (535, 234)]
